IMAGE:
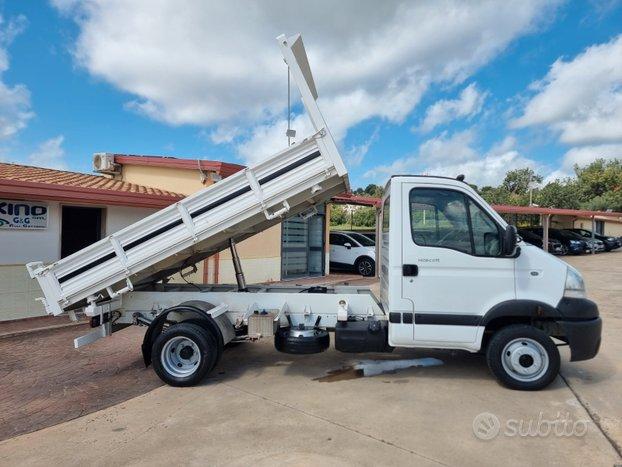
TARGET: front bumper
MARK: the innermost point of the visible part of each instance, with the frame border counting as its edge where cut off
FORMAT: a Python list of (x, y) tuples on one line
[(583, 338), (581, 326)]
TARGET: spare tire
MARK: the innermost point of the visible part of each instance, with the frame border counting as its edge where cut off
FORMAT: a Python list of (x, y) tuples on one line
[(301, 341)]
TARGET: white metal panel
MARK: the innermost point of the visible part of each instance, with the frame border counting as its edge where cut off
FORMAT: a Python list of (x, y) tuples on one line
[(180, 235)]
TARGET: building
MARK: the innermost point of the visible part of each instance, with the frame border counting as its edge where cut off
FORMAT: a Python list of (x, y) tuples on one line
[(48, 214)]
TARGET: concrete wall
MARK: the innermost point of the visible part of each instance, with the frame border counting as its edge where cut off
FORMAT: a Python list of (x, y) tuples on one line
[(260, 254), (17, 291), (610, 228)]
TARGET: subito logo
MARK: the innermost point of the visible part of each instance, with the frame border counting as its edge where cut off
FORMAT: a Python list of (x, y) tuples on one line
[(486, 426)]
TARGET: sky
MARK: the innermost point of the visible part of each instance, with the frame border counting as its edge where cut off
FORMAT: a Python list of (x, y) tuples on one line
[(436, 87)]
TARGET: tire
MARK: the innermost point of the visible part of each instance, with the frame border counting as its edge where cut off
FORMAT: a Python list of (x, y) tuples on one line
[(307, 341), (184, 354), (365, 266), (523, 357)]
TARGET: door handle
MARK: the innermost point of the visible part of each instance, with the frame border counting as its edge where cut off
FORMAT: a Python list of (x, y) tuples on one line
[(410, 270)]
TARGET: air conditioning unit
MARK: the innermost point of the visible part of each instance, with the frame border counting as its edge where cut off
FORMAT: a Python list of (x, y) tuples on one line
[(103, 162)]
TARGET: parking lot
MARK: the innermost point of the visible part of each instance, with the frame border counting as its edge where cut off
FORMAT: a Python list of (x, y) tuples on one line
[(263, 407)]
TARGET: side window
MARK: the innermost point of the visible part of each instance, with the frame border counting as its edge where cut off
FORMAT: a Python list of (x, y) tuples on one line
[(385, 215), (336, 239), (439, 218), (449, 219), (486, 237)]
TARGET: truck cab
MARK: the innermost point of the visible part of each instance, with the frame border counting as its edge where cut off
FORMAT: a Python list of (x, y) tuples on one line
[(454, 275)]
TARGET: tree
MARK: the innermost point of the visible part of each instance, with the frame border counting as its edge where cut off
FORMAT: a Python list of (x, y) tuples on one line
[(519, 181), (558, 194), (498, 195), (599, 179), (373, 190), (338, 215), (364, 217)]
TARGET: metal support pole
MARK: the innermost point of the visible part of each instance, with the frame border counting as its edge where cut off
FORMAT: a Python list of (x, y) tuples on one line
[(593, 235), (237, 267), (545, 231), (377, 246)]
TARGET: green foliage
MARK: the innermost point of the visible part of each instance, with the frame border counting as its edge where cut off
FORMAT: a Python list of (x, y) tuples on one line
[(517, 182), (558, 194), (597, 186), (599, 178), (370, 190), (364, 217), (338, 215)]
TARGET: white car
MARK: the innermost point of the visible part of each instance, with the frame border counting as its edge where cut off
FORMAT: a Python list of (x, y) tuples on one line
[(350, 250)]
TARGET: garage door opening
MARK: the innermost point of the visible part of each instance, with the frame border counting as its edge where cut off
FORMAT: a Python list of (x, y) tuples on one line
[(80, 227)]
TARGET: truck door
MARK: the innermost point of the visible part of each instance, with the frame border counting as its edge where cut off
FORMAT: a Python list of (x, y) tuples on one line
[(452, 269)]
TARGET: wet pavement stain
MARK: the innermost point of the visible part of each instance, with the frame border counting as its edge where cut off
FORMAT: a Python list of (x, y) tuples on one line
[(342, 374), (377, 367)]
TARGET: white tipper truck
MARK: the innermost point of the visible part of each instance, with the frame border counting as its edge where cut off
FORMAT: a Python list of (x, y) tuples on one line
[(453, 274)]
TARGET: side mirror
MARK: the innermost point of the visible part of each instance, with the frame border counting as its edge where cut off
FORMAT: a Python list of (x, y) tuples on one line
[(510, 237), (348, 245)]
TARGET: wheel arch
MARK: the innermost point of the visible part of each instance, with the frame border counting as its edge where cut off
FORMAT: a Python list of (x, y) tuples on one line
[(194, 311), (519, 311)]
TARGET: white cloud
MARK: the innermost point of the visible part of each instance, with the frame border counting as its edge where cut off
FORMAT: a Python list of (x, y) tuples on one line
[(15, 108), (452, 148), (468, 104), (587, 154), (581, 98), (354, 155), (212, 63), (452, 155), (49, 154)]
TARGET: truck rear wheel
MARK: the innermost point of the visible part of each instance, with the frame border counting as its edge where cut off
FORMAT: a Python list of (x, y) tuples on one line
[(523, 357), (184, 354)]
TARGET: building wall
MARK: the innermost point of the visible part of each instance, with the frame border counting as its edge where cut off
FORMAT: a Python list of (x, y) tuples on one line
[(611, 228), (17, 291), (260, 254)]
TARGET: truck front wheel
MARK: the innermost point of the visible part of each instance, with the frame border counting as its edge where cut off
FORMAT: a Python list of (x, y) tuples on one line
[(183, 354), (523, 357)]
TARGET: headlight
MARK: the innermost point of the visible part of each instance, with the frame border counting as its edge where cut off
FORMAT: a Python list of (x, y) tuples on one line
[(611, 239), (575, 287), (574, 242)]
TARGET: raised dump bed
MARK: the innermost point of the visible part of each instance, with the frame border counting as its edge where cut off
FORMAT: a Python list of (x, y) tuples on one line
[(288, 183)]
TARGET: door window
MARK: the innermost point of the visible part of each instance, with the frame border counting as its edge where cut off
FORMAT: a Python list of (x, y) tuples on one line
[(486, 237), (338, 240), (449, 219)]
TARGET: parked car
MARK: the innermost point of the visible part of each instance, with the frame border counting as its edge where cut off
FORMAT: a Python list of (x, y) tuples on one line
[(611, 243), (555, 246), (352, 250), (370, 235), (575, 244)]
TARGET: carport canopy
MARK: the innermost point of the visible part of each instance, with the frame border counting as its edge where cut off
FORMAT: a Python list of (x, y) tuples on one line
[(547, 213)]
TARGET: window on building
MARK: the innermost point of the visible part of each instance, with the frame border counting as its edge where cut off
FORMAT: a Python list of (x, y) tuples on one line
[(80, 227)]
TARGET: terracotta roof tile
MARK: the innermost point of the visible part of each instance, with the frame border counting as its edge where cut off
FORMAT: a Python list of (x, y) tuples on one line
[(25, 173)]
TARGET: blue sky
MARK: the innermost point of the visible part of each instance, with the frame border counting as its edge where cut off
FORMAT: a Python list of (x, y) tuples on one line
[(417, 87)]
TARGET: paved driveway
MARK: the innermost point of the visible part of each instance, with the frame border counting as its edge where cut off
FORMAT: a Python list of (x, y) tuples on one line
[(262, 407)]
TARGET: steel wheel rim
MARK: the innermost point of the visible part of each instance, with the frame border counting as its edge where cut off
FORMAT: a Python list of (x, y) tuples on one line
[(365, 267), (180, 356), (525, 359)]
